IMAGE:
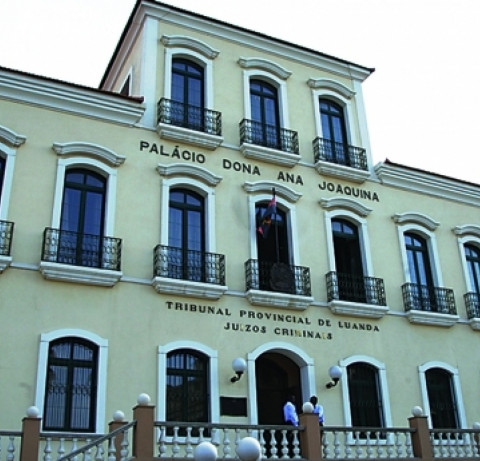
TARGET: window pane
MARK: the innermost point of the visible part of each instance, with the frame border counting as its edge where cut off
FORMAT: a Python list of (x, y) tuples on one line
[(441, 398), (175, 224)]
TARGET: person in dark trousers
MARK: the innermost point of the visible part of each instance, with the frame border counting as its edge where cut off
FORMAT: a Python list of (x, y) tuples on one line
[(290, 417)]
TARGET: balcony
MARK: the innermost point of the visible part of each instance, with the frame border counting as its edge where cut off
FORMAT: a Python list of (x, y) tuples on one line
[(278, 284), (6, 234), (182, 122), (472, 304), (188, 272), (82, 258), (357, 296), (340, 160), (429, 305), (269, 143)]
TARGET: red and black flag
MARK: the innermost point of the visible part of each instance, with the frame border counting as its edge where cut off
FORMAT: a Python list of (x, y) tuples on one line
[(266, 219)]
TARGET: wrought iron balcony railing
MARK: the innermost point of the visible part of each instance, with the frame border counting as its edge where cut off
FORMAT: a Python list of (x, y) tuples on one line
[(188, 116), (271, 136), (77, 249), (277, 277), (6, 233), (360, 289), (326, 150), (428, 298), (472, 304), (195, 266)]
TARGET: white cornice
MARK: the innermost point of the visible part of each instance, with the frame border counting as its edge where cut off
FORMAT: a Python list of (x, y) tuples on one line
[(267, 186), (190, 43), (266, 65), (423, 182), (55, 95), (10, 137), (467, 229), (94, 150), (193, 171), (328, 84), (346, 204), (416, 218)]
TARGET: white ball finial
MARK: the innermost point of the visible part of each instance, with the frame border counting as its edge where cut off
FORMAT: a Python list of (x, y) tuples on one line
[(143, 399), (119, 416), (417, 411), (249, 449), (307, 407), (205, 451), (33, 412)]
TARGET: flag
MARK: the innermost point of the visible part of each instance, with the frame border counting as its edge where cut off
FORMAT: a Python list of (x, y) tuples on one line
[(266, 220)]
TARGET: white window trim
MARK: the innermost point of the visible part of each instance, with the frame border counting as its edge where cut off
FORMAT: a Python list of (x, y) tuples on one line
[(297, 355), (385, 395), (422, 369), (467, 234), (212, 354), (102, 362)]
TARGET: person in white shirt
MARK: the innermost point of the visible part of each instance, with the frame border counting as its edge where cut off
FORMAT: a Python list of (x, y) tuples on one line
[(290, 415), (317, 408)]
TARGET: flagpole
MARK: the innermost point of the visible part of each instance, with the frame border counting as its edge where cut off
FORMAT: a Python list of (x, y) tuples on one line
[(277, 249)]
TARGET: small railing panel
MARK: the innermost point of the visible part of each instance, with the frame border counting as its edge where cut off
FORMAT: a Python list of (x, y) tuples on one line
[(6, 233), (428, 298), (78, 249), (360, 289), (277, 277), (472, 304), (195, 266), (271, 136), (326, 150), (187, 116), (10, 442), (455, 443)]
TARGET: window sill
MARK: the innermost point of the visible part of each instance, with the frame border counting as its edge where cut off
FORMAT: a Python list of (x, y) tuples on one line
[(280, 300), (354, 309), (432, 318), (79, 274), (269, 155), (475, 323), (342, 172), (5, 261), (197, 138), (188, 288)]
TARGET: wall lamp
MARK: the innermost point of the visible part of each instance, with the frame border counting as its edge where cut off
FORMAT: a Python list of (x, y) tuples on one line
[(335, 373), (239, 366)]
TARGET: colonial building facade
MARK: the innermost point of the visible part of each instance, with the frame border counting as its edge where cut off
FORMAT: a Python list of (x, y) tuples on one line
[(215, 199)]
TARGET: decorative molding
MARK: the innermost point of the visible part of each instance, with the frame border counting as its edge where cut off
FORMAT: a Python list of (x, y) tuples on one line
[(428, 184), (432, 318), (266, 187), (265, 154), (94, 150), (372, 311), (467, 230), (5, 262), (265, 65), (416, 218), (280, 300), (56, 95), (342, 172), (10, 137), (346, 204), (188, 288), (192, 171), (332, 85), (193, 44), (79, 274), (184, 135), (475, 323)]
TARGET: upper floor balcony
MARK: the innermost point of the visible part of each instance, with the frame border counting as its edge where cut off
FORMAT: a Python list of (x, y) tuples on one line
[(188, 272), (340, 160), (6, 234), (269, 143), (278, 284), (83, 258), (472, 304), (429, 305), (356, 295), (183, 122)]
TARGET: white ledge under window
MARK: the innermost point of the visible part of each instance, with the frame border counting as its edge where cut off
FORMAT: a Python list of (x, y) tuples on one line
[(372, 311), (280, 300), (266, 154), (184, 135), (79, 274), (475, 323), (188, 288), (432, 318), (5, 261), (342, 172)]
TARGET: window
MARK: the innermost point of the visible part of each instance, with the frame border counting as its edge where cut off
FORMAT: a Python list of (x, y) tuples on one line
[(472, 256), (2, 174), (366, 406), (334, 133), (187, 396), (441, 398), (71, 386), (186, 228)]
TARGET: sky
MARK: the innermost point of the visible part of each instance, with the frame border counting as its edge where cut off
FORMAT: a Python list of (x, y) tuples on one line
[(422, 101)]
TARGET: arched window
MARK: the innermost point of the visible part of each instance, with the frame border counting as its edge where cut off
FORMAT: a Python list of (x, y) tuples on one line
[(188, 393), (186, 235), (472, 256), (264, 114), (2, 174), (71, 386), (441, 398), (334, 133), (82, 218), (366, 406)]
